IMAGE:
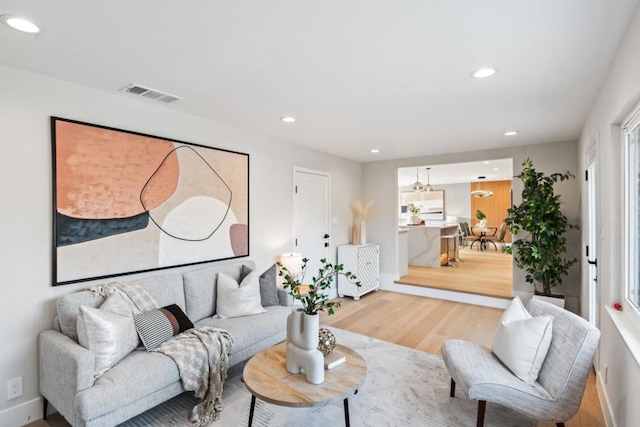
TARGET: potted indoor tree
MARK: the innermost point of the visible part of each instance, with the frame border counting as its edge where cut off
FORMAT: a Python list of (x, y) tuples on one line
[(542, 253)]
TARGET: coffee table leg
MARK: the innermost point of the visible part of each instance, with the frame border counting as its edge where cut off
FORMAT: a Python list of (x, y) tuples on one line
[(253, 406), (346, 412)]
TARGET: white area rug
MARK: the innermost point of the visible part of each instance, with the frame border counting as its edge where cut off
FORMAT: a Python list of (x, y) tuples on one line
[(404, 387)]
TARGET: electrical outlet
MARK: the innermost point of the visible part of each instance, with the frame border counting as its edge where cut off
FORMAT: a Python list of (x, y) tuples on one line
[(14, 388)]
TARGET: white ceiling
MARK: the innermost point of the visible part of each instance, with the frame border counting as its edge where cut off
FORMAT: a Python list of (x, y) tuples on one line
[(357, 74), (458, 173)]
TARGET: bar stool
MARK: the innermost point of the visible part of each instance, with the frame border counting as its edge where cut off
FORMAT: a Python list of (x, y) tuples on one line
[(450, 239)]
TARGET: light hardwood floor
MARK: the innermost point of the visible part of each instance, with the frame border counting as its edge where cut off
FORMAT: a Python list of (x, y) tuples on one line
[(425, 323), (482, 273)]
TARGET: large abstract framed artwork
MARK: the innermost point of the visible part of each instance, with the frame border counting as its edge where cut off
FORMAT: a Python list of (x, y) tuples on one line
[(126, 202)]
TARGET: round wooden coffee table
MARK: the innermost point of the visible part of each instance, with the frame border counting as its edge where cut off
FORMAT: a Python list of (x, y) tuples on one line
[(266, 377)]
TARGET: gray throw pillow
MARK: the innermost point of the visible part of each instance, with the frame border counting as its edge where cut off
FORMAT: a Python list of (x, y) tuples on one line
[(268, 287)]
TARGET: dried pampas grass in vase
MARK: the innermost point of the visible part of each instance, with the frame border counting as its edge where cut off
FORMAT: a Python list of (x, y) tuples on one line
[(359, 233)]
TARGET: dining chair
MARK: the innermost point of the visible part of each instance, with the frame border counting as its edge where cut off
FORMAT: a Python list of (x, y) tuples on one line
[(466, 235), (499, 237)]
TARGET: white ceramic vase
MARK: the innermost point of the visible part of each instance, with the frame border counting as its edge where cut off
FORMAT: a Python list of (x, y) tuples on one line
[(363, 233), (302, 346)]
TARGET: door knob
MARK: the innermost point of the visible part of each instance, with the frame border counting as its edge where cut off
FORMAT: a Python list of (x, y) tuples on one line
[(326, 236)]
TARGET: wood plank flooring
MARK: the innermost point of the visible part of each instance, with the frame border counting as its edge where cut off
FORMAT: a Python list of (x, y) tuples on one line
[(482, 273), (424, 324)]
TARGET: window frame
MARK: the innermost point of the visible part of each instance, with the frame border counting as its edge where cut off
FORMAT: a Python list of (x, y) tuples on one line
[(631, 212)]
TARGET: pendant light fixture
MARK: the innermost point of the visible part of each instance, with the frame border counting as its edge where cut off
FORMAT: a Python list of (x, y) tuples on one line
[(417, 186), (481, 193), (428, 187)]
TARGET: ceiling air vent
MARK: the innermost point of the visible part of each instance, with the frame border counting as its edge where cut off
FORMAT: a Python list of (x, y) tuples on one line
[(146, 92)]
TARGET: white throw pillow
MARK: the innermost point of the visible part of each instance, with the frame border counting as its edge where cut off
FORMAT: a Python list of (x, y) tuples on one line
[(521, 341), (235, 300), (109, 335)]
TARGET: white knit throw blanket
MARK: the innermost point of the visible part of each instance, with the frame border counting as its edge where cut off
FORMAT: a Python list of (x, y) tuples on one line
[(202, 356), (138, 298), (201, 353)]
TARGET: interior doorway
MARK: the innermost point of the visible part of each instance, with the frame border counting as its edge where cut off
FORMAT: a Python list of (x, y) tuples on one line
[(466, 188)]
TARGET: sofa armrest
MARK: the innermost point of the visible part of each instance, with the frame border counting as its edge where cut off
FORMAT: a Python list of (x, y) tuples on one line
[(284, 297), (65, 369)]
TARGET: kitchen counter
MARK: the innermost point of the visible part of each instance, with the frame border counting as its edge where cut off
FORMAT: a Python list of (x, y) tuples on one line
[(424, 243)]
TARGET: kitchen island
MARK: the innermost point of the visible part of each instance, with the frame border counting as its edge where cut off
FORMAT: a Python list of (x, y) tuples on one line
[(425, 243)]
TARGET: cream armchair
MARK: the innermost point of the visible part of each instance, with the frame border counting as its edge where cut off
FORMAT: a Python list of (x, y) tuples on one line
[(557, 393)]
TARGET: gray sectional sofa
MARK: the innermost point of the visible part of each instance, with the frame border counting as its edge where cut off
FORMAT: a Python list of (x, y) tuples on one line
[(144, 379)]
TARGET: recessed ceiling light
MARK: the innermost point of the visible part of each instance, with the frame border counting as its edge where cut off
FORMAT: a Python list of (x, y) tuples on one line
[(20, 24), (482, 73), (288, 119), (495, 169), (487, 162), (375, 151), (511, 132)]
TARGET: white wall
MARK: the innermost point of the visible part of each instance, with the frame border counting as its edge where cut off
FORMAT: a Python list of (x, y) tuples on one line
[(27, 297), (457, 200), (619, 93), (380, 185)]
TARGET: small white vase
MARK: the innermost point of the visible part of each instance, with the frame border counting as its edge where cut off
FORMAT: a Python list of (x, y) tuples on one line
[(363, 233)]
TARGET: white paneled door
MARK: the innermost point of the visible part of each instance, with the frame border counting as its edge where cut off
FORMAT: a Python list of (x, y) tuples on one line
[(311, 217)]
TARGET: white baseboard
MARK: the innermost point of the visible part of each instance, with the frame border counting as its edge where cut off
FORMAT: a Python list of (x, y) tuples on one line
[(21, 414), (387, 283), (605, 403)]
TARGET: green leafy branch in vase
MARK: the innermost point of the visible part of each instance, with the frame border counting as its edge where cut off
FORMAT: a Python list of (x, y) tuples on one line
[(315, 299)]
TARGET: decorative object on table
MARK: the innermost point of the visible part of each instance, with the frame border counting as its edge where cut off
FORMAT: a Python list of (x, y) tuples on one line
[(326, 341), (360, 212), (126, 202), (355, 234), (334, 359), (415, 212), (303, 324), (302, 346), (542, 253), (482, 218)]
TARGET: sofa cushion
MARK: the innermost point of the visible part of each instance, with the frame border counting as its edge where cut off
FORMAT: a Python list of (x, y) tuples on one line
[(269, 287), (200, 289), (68, 307), (238, 299), (157, 326), (248, 330), (137, 375), (166, 289), (200, 293)]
